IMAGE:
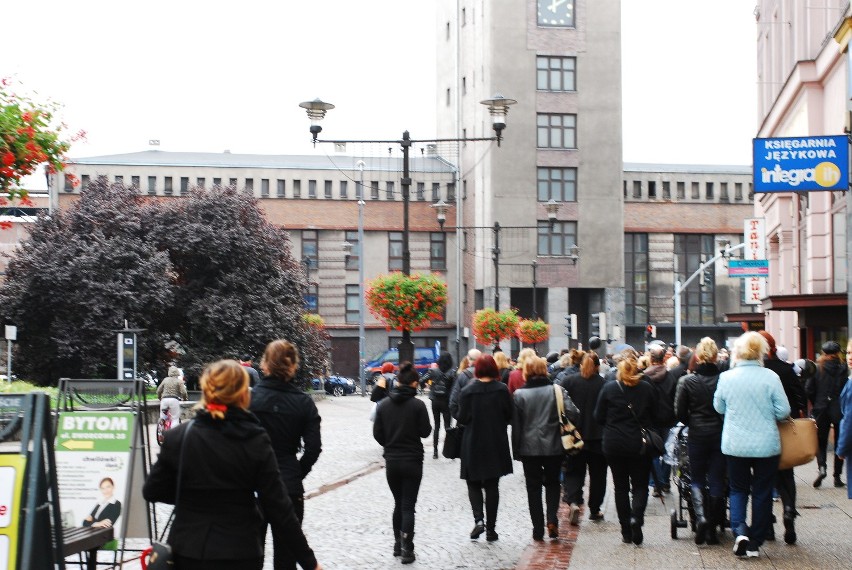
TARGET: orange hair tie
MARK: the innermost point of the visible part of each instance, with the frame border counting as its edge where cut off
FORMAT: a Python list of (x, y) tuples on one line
[(217, 408)]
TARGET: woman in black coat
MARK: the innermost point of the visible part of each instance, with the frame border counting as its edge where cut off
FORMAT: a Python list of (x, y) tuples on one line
[(229, 482), (622, 443), (707, 464), (584, 388), (485, 409), (401, 421), (292, 421), (440, 381)]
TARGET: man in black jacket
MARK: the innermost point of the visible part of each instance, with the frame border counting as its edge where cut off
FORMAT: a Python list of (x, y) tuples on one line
[(823, 391)]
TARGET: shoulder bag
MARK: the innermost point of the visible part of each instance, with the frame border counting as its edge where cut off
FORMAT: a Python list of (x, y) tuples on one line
[(798, 442), (572, 441), (159, 555), (453, 442), (652, 443)]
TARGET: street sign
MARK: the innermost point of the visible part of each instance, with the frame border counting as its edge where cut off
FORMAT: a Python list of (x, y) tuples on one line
[(748, 268), (795, 164)]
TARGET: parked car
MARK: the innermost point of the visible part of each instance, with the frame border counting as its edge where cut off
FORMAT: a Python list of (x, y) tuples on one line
[(424, 357), (335, 385)]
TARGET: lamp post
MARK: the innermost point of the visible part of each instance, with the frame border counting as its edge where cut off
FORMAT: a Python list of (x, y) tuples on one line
[(498, 107), (362, 360)]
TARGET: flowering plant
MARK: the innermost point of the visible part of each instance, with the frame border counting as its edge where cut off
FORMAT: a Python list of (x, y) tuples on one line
[(28, 138), (406, 302), (490, 326), (533, 331), (314, 320)]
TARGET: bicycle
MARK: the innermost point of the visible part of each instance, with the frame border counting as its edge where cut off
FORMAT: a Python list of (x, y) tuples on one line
[(164, 424)]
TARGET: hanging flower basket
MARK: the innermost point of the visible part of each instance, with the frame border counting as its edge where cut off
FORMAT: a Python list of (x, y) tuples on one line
[(314, 320), (490, 326), (28, 137), (406, 302), (533, 331)]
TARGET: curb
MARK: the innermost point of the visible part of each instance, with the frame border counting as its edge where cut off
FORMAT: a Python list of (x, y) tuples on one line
[(553, 554)]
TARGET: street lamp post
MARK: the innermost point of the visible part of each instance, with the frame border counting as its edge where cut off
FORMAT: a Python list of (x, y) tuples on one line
[(362, 360), (498, 107)]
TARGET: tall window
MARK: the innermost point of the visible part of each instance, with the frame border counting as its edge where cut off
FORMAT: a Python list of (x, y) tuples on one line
[(84, 181), (559, 184), (344, 189), (353, 304), (451, 192), (681, 191), (264, 187), (134, 182), (312, 188), (556, 73), (389, 190), (696, 191), (310, 248), (374, 190), (436, 191), (152, 185), (556, 131), (556, 238), (217, 182), (696, 301), (200, 182), (249, 188), (421, 191), (119, 179), (667, 190), (297, 189), (636, 278), (394, 251), (327, 189), (709, 191), (232, 182), (354, 253), (281, 187), (437, 250), (312, 298), (184, 184), (167, 185)]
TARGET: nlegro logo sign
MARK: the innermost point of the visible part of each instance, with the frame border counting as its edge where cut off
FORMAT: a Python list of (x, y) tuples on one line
[(801, 163)]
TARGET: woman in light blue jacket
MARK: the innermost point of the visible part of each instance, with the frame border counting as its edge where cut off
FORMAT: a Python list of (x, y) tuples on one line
[(752, 400)]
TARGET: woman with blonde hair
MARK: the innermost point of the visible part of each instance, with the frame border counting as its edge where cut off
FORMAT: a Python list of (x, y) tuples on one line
[(752, 401), (503, 365), (694, 408), (291, 418), (229, 486), (516, 377), (626, 407), (537, 444)]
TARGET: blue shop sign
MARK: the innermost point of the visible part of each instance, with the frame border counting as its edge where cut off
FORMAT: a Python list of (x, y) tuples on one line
[(794, 164)]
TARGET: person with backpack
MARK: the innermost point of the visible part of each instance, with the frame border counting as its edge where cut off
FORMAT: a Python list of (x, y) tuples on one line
[(441, 383)]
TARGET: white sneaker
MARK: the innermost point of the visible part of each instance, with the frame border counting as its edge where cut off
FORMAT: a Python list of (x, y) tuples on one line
[(741, 545), (752, 550)]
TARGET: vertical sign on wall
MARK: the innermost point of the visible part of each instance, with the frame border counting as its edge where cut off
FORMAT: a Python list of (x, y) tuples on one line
[(755, 240)]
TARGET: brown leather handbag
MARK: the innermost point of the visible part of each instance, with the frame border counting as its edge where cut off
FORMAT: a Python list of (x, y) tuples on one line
[(798, 442)]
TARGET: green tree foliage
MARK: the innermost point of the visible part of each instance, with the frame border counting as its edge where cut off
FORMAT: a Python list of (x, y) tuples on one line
[(206, 275)]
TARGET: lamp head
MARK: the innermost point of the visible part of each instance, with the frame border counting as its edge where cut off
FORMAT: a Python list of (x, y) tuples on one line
[(316, 110), (498, 106), (552, 207), (574, 254), (441, 208)]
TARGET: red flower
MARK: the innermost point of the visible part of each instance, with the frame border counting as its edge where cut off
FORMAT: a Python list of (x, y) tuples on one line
[(8, 158)]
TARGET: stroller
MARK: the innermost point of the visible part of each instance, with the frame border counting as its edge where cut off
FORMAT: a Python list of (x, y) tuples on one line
[(678, 456)]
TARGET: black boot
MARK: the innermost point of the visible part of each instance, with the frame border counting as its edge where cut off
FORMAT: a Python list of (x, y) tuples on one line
[(820, 477), (407, 540), (770, 532), (700, 520), (626, 534), (790, 525), (713, 518), (397, 544), (636, 530)]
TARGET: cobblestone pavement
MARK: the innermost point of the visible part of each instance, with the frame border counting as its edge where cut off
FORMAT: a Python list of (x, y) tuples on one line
[(348, 518)]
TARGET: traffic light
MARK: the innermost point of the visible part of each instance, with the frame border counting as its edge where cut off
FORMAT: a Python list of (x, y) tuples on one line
[(571, 326), (599, 325), (650, 332)]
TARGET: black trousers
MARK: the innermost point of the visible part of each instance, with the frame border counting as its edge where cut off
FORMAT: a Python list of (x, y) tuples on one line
[(404, 476), (630, 476), (491, 488), (440, 407), (283, 557), (786, 486), (575, 477), (542, 471), (824, 425)]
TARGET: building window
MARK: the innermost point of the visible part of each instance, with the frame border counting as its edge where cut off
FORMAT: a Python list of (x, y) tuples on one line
[(558, 184), (556, 238), (327, 189), (556, 131), (264, 187), (250, 186), (167, 185), (421, 191), (217, 182), (374, 190), (437, 251), (696, 301), (312, 298), (636, 278), (353, 303), (134, 182), (84, 182), (696, 191), (351, 237), (282, 187), (232, 182), (395, 251), (652, 189), (708, 191), (556, 73), (310, 248), (637, 188), (738, 191), (119, 179), (312, 188), (69, 183), (152, 185), (344, 192), (297, 189), (184, 184), (200, 182), (436, 191), (723, 191), (451, 192), (389, 191), (681, 191), (667, 190)]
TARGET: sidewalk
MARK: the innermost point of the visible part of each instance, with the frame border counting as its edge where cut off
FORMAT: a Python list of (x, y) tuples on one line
[(348, 518)]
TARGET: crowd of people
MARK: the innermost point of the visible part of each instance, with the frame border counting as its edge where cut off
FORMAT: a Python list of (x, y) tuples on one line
[(252, 446)]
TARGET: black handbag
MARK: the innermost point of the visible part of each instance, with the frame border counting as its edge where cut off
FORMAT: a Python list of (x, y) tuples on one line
[(453, 442), (652, 443), (159, 555)]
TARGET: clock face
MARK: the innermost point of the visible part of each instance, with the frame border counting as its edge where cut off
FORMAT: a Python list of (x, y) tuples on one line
[(556, 13)]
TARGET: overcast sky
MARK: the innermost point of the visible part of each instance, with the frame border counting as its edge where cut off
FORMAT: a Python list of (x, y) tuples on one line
[(210, 75)]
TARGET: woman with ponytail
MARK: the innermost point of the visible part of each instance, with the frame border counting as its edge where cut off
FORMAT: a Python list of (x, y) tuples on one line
[(220, 472), (624, 407)]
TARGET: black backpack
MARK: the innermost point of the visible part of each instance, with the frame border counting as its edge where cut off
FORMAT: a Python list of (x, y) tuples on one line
[(440, 384)]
